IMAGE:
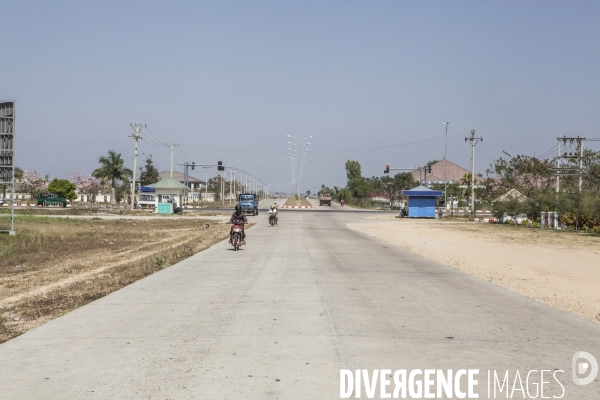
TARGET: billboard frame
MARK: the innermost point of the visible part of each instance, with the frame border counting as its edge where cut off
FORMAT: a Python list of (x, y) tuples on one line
[(11, 149)]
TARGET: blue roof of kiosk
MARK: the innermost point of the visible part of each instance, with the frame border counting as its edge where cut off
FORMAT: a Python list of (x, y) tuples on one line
[(422, 191), (147, 189)]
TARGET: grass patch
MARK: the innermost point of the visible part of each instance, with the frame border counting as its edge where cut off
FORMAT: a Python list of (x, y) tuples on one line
[(292, 202), (55, 265)]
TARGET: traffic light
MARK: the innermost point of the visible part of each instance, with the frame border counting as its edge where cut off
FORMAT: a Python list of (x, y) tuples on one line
[(429, 169), (193, 165), (387, 169), (220, 166)]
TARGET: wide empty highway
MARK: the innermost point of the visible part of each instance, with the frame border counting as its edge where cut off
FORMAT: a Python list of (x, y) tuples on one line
[(280, 318)]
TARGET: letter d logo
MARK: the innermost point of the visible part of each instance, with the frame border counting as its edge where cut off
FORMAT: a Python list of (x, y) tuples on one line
[(581, 367)]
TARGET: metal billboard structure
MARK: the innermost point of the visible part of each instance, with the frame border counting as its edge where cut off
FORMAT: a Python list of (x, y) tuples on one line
[(7, 155)]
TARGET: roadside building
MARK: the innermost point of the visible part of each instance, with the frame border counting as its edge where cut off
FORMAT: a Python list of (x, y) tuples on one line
[(421, 201), (192, 183), (454, 174), (168, 194)]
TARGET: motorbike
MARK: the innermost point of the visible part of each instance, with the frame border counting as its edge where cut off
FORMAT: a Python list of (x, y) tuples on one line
[(273, 219), (342, 203), (236, 237)]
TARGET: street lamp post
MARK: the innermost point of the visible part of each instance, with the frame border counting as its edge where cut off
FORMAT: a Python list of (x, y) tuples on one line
[(297, 162)]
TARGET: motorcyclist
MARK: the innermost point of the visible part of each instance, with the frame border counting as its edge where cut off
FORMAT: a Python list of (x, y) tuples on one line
[(273, 211), (238, 218), (342, 202)]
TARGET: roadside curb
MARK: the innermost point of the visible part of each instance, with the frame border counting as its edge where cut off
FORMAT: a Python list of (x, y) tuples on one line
[(297, 207)]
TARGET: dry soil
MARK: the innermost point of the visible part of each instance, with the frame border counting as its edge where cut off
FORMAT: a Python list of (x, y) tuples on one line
[(559, 268)]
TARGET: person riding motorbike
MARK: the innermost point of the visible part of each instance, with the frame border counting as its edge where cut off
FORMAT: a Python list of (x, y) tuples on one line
[(273, 211), (342, 202), (238, 218)]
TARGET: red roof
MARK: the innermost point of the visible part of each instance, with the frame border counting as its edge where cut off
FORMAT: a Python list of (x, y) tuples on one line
[(454, 173)]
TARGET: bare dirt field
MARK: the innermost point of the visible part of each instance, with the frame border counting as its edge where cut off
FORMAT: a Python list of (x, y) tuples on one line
[(559, 268), (57, 264)]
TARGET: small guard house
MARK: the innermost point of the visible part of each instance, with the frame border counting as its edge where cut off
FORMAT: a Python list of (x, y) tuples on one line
[(421, 201), (168, 193)]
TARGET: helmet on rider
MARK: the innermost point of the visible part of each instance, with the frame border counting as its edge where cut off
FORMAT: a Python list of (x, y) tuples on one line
[(238, 208)]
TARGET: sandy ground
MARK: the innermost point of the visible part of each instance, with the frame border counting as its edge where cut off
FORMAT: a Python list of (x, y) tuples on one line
[(558, 268)]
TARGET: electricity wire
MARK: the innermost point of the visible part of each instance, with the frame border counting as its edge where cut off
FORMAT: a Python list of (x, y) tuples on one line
[(72, 140)]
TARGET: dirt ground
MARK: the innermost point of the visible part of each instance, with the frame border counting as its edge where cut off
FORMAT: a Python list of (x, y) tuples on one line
[(559, 268), (57, 264)]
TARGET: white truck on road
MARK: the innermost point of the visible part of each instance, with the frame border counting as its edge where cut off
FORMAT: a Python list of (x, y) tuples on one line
[(325, 199)]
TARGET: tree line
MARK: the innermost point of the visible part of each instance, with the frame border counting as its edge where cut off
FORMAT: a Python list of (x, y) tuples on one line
[(112, 176), (533, 178), (359, 190)]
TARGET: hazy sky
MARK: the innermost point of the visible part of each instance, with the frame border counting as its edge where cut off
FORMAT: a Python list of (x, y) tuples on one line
[(229, 80)]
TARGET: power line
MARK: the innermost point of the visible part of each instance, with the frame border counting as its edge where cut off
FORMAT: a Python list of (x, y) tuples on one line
[(382, 147), (491, 149), (318, 152), (71, 140), (487, 157), (155, 138), (180, 150), (549, 152)]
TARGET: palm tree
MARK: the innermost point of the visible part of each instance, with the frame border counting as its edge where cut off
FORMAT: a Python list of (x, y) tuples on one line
[(112, 170), (466, 180)]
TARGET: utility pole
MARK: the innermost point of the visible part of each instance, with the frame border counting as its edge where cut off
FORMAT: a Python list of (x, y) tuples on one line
[(206, 182), (580, 163), (568, 143), (223, 187), (445, 167), (185, 172), (558, 166), (137, 137), (473, 141), (172, 148)]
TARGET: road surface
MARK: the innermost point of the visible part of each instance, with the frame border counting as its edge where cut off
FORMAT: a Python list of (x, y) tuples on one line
[(280, 319)]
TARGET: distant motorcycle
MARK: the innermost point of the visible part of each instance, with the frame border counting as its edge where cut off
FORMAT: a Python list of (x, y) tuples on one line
[(342, 203)]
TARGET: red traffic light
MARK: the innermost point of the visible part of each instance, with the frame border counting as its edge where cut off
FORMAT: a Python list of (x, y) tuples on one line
[(387, 169)]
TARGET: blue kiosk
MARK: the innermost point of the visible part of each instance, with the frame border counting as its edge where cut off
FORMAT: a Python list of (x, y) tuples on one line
[(421, 201)]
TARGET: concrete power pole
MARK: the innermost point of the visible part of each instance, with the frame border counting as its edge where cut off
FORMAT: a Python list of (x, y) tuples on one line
[(230, 184), (473, 141), (137, 137), (206, 182), (172, 146), (569, 170), (558, 166), (446, 168), (223, 187), (580, 163)]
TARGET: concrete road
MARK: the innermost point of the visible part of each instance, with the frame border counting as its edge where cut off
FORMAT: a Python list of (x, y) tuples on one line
[(280, 318)]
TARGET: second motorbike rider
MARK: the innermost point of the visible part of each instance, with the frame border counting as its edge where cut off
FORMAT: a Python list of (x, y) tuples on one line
[(273, 212)]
